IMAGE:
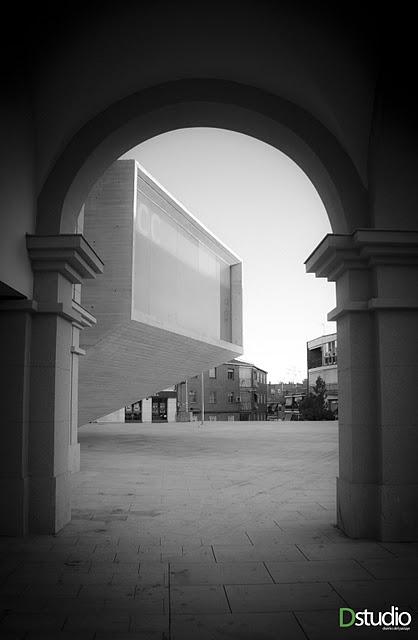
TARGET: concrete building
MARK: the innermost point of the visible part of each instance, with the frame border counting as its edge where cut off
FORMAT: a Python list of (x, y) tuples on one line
[(322, 360), (170, 300), (235, 390), (332, 90)]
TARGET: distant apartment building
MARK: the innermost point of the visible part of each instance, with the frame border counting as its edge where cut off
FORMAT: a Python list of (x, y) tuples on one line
[(234, 390), (322, 362), (279, 393)]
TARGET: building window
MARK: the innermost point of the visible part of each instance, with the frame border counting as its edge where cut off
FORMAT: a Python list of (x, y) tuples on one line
[(230, 374), (192, 396), (245, 377), (212, 397), (231, 397), (330, 353), (212, 373)]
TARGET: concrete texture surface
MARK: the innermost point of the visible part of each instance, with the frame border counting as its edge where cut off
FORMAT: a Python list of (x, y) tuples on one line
[(222, 531)]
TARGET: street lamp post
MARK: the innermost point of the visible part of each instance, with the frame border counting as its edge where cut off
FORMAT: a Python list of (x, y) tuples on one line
[(203, 402)]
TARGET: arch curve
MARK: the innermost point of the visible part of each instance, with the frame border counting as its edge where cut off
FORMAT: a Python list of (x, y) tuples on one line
[(202, 103)]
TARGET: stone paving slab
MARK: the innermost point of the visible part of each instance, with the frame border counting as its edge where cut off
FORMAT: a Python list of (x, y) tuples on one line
[(402, 549), (32, 621), (198, 599), (353, 549), (182, 574), (277, 626), (397, 568), (282, 597), (113, 621), (379, 596), (60, 635), (324, 625), (317, 571), (238, 553)]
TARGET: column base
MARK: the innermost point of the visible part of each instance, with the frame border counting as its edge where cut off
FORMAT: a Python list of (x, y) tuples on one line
[(13, 506), (50, 504), (399, 518), (357, 509), (381, 512)]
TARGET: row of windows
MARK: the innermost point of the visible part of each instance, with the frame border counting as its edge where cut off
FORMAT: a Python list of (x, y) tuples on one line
[(259, 376), (260, 398), (257, 417), (230, 397), (230, 374), (330, 352)]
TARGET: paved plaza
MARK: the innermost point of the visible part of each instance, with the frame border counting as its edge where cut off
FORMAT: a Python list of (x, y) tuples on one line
[(224, 531)]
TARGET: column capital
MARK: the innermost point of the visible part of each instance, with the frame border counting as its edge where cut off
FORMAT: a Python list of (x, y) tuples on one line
[(68, 254), (363, 249)]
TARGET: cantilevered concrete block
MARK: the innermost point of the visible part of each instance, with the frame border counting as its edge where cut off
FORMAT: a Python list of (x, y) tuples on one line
[(169, 303)]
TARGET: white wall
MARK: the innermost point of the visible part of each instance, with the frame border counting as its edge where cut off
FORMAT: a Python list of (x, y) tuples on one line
[(116, 416), (147, 410), (171, 409)]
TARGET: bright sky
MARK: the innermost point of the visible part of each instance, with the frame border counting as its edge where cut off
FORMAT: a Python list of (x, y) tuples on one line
[(261, 205)]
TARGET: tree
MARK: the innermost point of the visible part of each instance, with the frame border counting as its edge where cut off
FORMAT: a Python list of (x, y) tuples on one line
[(314, 406)]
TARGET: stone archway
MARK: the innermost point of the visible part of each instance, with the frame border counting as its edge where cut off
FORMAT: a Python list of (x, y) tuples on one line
[(371, 501), (210, 103)]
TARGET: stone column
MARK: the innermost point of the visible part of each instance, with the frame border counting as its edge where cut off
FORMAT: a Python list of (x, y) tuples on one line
[(15, 329), (58, 263), (376, 275), (84, 320)]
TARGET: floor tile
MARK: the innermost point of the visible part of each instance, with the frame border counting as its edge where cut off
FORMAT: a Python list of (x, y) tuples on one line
[(148, 627), (198, 599), (31, 621), (352, 549), (385, 593), (271, 626), (317, 571), (324, 625), (182, 574), (397, 568), (282, 597), (98, 620), (402, 549), (234, 553)]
